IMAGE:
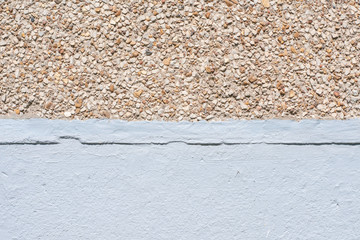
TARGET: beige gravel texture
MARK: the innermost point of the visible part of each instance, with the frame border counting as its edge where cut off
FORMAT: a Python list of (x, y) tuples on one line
[(180, 60)]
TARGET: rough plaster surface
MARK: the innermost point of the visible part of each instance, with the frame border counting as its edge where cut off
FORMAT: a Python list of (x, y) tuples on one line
[(138, 180)]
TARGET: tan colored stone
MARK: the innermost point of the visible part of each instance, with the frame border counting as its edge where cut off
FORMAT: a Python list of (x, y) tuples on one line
[(292, 93), (228, 3), (78, 103), (283, 54), (167, 61), (266, 3), (252, 78), (135, 54), (280, 39), (209, 69), (112, 88), (138, 93), (48, 105)]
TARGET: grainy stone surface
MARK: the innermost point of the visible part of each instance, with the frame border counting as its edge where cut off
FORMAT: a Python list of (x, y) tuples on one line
[(180, 60)]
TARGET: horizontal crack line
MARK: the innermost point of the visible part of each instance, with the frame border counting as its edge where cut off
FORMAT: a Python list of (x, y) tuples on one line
[(30, 143), (318, 144), (181, 142), (226, 143)]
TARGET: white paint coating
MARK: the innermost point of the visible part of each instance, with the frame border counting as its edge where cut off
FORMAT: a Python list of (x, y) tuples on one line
[(72, 190), (270, 131)]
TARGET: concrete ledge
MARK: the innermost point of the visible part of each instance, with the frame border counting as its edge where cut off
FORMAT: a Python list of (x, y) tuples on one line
[(231, 132), (105, 180)]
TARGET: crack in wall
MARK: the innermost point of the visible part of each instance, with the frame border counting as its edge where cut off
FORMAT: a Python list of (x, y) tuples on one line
[(29, 142), (225, 143), (318, 144)]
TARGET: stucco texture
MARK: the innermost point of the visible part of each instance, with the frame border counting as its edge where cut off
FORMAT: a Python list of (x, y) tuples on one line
[(287, 180)]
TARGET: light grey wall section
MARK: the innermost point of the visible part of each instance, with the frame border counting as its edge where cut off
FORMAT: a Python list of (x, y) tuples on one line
[(251, 190), (269, 131)]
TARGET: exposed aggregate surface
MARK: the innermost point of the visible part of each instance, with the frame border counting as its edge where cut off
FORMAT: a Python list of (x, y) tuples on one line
[(180, 60)]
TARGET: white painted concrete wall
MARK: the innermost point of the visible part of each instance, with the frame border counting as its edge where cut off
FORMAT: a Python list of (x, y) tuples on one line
[(233, 180)]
